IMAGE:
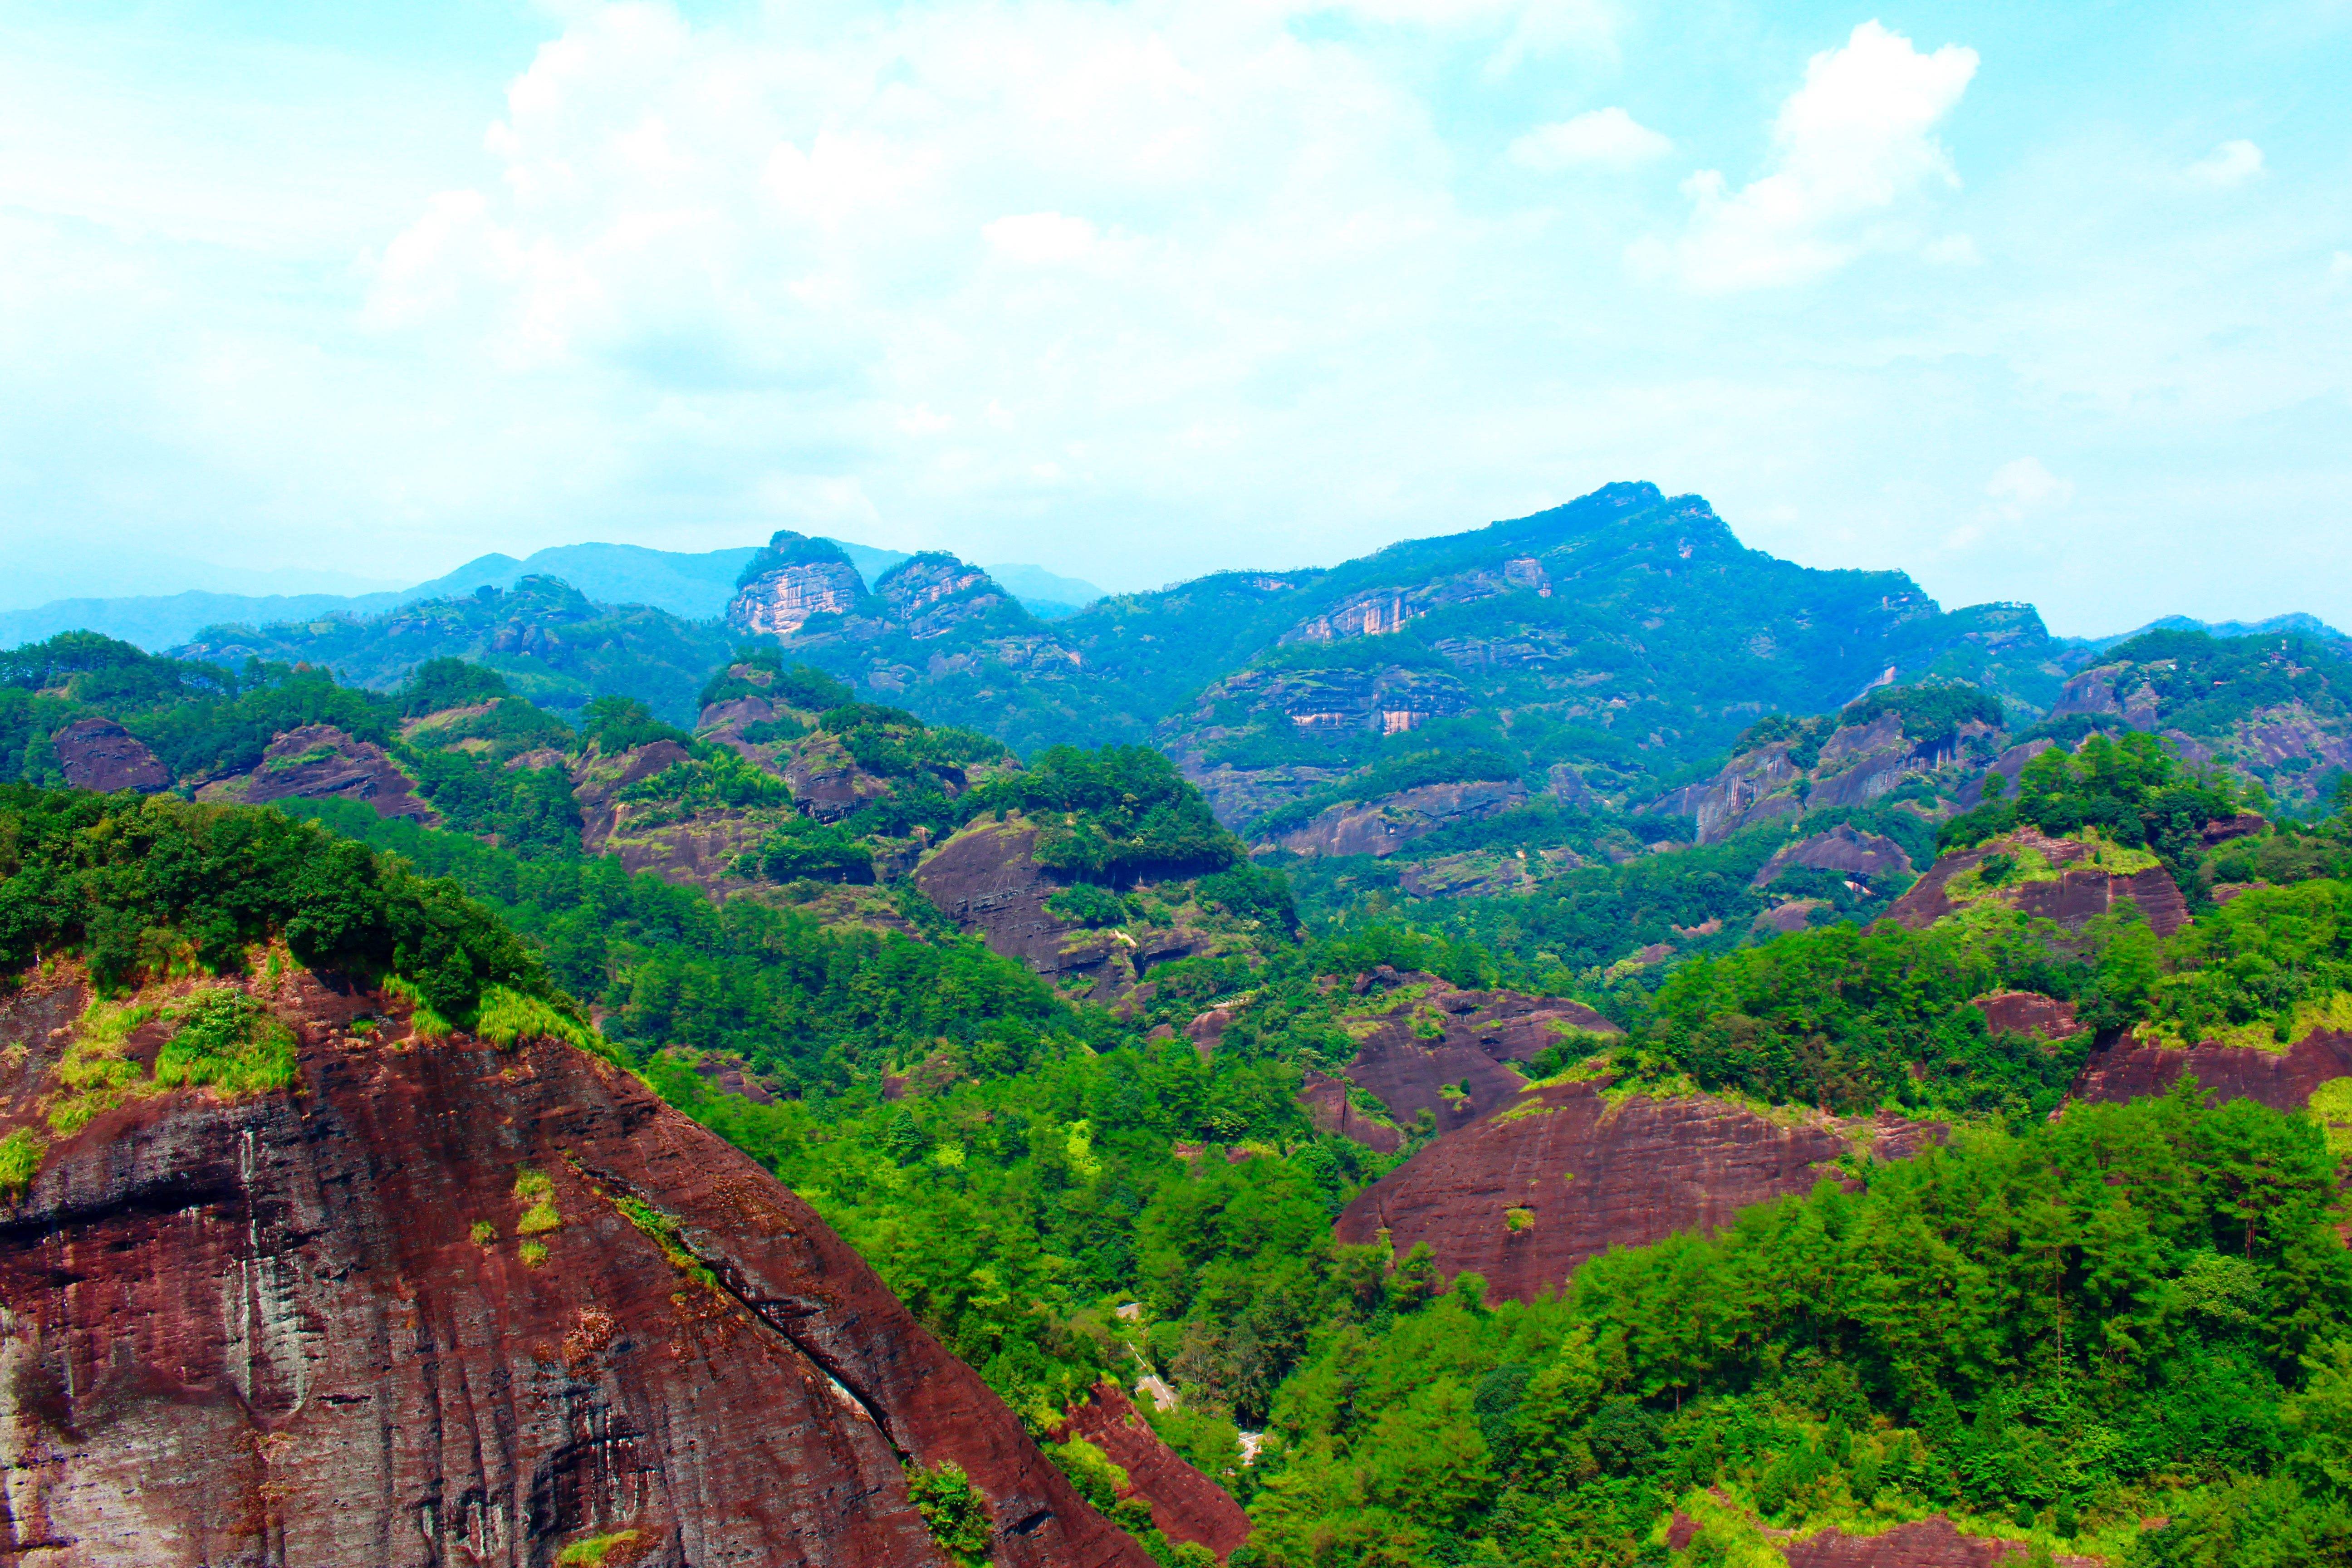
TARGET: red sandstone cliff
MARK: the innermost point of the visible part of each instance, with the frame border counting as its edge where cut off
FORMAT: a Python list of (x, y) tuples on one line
[(1425, 1046), (302, 1328), (100, 755), (1185, 1504), (2079, 892), (320, 762), (2282, 1080), (1532, 1191)]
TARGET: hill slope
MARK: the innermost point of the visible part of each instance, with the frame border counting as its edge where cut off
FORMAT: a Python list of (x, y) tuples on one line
[(299, 1269)]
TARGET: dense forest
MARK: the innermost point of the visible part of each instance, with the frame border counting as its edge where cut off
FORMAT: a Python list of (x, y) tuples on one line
[(2121, 1330)]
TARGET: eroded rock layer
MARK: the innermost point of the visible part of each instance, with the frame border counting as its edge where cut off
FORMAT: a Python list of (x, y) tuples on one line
[(2283, 1079), (1530, 1192), (1427, 1047), (100, 755), (2079, 892), (1185, 1504), (317, 1327)]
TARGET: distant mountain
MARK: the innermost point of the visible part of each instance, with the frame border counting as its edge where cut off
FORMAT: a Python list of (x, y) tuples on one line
[(695, 586), (1044, 594), (1621, 638), (156, 622), (2297, 623), (551, 642)]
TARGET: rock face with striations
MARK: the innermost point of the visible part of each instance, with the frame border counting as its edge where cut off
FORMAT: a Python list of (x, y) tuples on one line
[(2283, 1079), (2078, 891), (794, 578), (1423, 1046), (1535, 1189), (986, 879), (442, 1303), (1185, 1504), (1384, 826), (100, 755), (320, 762)]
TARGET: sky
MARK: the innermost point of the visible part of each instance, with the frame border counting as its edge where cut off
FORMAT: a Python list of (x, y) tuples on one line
[(2050, 303)]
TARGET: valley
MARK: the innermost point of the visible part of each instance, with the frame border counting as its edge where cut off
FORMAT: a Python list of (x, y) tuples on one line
[(1570, 1043)]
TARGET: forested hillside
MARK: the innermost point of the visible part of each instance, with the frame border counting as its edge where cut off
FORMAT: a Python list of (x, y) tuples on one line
[(1762, 1064)]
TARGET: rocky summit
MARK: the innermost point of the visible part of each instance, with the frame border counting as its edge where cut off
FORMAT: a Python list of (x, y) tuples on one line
[(439, 1300)]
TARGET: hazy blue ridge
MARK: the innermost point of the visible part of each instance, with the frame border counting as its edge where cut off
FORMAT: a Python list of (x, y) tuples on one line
[(693, 586)]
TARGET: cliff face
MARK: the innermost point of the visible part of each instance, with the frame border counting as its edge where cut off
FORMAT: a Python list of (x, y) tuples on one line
[(2072, 891), (794, 578), (320, 762), (693, 848), (100, 755), (1922, 1543), (1384, 826), (444, 1304), (2282, 1080), (1185, 1504), (1425, 1046), (987, 880), (1526, 1194)]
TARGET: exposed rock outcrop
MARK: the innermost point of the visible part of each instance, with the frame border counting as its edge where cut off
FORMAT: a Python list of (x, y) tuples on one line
[(1526, 1194), (1185, 1504), (1842, 848), (2028, 1013), (693, 848), (306, 1326), (1449, 1052), (987, 880), (2282, 1080), (320, 762), (794, 578), (1384, 826), (100, 755), (2080, 891), (1332, 1109)]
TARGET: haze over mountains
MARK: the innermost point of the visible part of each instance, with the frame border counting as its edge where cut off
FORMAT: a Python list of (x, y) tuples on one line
[(693, 586)]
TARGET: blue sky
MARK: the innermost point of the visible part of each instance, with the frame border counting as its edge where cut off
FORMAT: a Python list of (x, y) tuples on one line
[(2050, 303)]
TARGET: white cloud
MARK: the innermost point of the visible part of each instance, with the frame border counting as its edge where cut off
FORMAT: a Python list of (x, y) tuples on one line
[(2231, 165), (1041, 239), (1951, 250), (2022, 485), (1600, 138), (1851, 148)]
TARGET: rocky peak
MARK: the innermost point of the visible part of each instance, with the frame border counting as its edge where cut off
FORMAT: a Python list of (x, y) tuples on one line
[(934, 594), (443, 1301), (794, 578), (100, 755)]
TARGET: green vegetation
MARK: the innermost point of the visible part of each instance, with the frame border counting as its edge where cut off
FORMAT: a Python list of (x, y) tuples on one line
[(2137, 1311), (20, 1160), (802, 686), (591, 1551), (2266, 968), (953, 1511), (1113, 814), (2132, 791), (227, 1040), (134, 887)]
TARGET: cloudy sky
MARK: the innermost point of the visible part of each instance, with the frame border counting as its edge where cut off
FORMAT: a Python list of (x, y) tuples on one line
[(2046, 303)]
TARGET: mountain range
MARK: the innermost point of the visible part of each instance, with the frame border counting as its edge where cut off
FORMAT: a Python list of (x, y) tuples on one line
[(690, 585)]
